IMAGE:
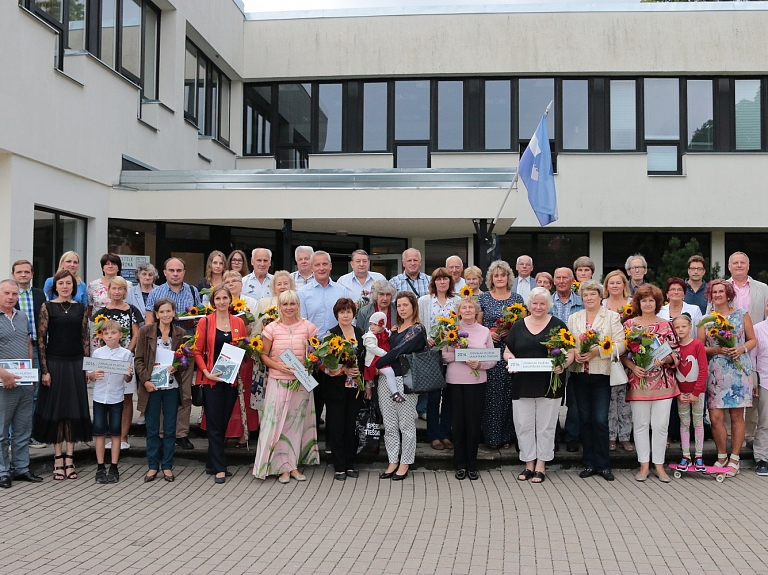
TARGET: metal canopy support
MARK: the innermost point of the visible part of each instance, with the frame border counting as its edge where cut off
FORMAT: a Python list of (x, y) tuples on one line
[(287, 244)]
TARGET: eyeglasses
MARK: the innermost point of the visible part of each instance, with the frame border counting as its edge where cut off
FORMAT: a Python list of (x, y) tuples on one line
[(236, 261), (696, 269), (636, 268)]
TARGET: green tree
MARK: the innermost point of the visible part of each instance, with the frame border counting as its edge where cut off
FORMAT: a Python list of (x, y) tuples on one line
[(674, 261)]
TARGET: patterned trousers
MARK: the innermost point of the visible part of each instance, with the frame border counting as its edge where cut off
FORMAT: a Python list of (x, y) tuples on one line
[(399, 423), (619, 414)]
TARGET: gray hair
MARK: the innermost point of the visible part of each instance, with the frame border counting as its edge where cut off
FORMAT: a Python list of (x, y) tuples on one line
[(15, 283), (301, 250), (591, 285), (499, 265), (254, 250), (470, 299), (730, 257), (320, 253), (358, 253), (517, 261), (147, 267), (640, 257), (411, 250), (543, 292), (382, 286), (461, 261)]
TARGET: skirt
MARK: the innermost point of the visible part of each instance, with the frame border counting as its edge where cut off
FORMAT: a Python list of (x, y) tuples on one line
[(62, 412)]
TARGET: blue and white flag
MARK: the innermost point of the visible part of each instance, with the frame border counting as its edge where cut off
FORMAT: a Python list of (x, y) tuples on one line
[(535, 169)]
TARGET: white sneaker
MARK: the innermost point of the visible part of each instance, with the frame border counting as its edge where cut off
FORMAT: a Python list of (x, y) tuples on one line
[(108, 444), (36, 444), (125, 445), (141, 420)]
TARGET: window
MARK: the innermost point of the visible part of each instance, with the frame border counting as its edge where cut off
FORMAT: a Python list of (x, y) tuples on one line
[(700, 108), (76, 25), (498, 115), (412, 110), (623, 116), (206, 95), (535, 94), (294, 124), (130, 53), (618, 245), (410, 156), (329, 118), (258, 120), (56, 233), (548, 250), (575, 114), (374, 116), (661, 113), (450, 115), (190, 81), (747, 114)]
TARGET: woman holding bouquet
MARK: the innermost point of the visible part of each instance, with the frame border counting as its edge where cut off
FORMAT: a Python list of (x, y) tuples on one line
[(728, 336), (288, 436), (219, 397), (653, 387), (536, 395), (591, 375)]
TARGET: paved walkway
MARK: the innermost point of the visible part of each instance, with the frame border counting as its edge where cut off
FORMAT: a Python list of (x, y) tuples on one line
[(429, 523)]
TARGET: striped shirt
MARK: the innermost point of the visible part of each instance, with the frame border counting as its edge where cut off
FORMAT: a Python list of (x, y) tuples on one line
[(14, 334), (27, 305), (418, 286)]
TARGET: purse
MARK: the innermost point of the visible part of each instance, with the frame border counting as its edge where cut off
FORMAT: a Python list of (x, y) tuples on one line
[(422, 371), (618, 373)]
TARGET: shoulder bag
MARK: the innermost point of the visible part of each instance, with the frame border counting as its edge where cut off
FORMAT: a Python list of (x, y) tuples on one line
[(618, 373), (422, 371)]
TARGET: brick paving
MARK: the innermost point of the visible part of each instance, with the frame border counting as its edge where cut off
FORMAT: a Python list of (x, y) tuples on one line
[(429, 523)]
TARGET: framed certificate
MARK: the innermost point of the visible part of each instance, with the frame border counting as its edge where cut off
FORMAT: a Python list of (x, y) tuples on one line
[(22, 368), (533, 364)]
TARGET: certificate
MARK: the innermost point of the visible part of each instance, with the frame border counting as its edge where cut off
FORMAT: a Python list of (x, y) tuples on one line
[(228, 363), (163, 360), (662, 351), (289, 358), (481, 354), (22, 368), (533, 364), (106, 365)]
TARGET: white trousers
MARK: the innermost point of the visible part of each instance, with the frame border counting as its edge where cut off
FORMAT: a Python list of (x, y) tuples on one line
[(399, 423), (535, 421), (650, 421)]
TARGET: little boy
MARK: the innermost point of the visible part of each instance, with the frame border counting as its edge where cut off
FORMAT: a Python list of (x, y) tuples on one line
[(108, 395), (376, 342)]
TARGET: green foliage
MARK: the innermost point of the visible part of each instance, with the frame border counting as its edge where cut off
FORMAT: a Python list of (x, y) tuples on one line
[(674, 262)]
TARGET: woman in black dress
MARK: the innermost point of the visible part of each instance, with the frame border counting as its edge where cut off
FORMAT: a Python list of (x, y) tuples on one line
[(62, 413), (534, 403)]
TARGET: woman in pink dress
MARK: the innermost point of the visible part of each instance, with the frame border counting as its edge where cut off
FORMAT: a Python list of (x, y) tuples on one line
[(288, 436)]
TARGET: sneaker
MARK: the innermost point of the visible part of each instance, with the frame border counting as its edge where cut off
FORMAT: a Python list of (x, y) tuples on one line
[(762, 467), (108, 444), (684, 464), (113, 476), (101, 476), (36, 444), (125, 445), (701, 468), (141, 420)]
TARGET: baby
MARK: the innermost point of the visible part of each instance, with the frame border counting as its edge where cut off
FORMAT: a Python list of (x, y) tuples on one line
[(376, 342)]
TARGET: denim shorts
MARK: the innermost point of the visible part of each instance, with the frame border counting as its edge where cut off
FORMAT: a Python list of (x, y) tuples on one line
[(107, 419)]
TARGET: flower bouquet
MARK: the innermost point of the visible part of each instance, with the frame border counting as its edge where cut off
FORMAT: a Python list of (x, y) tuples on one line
[(588, 340), (98, 324), (445, 331), (638, 341), (334, 352), (252, 347), (626, 312), (721, 330), (197, 310), (239, 307), (466, 291), (365, 299), (267, 316), (462, 343), (575, 285), (509, 315), (185, 352), (559, 341)]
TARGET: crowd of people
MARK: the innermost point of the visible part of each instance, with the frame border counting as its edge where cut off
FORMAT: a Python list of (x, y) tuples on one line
[(642, 364)]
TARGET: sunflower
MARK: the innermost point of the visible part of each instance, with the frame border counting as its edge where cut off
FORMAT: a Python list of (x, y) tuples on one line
[(239, 305), (576, 284), (562, 332), (314, 342), (193, 311), (336, 343), (516, 306), (451, 335), (713, 331), (257, 343), (450, 320), (466, 291), (569, 339), (97, 333), (607, 344), (453, 314), (208, 309), (353, 341), (100, 318)]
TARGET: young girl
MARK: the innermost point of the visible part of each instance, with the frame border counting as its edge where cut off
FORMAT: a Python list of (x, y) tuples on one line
[(376, 342), (692, 381)]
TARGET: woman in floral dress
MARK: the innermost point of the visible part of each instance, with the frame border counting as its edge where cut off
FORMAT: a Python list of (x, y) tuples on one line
[(288, 436)]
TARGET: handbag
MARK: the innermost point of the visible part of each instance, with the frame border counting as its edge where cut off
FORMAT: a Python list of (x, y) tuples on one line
[(422, 371), (618, 373), (197, 395), (369, 424)]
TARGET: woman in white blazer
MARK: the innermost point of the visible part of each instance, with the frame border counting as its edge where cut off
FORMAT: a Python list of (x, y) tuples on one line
[(591, 377), (146, 274)]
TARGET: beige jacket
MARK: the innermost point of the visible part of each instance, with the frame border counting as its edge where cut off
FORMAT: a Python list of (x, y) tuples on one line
[(606, 322)]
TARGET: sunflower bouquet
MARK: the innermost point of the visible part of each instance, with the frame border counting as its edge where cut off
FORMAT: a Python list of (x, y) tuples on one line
[(466, 291), (197, 310), (98, 325), (445, 332), (267, 316), (252, 346), (721, 331), (559, 342), (463, 343), (240, 307), (638, 341), (626, 312), (509, 315), (334, 352), (575, 285), (588, 340)]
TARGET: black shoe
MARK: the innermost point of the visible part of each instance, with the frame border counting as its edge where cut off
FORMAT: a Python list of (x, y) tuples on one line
[(572, 446), (219, 480), (461, 474), (588, 472), (340, 476), (184, 443), (473, 475), (5, 481), (387, 475), (148, 478), (113, 476), (397, 477), (557, 446), (761, 468), (101, 477), (28, 476), (169, 478), (606, 474), (353, 473), (226, 473)]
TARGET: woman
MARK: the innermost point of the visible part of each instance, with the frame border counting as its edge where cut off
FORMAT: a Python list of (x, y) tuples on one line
[(544, 279), (219, 397), (651, 390), (729, 385), (62, 413), (98, 290), (69, 261), (153, 401), (146, 274), (343, 399), (616, 290), (407, 336), (498, 427), (535, 403), (129, 319), (592, 377), (235, 428), (237, 262), (466, 385), (214, 271), (473, 277), (282, 281), (288, 436), (382, 294), (234, 282), (439, 302), (675, 290)]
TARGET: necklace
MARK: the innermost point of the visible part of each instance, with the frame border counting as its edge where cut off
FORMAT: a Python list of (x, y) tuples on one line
[(71, 303)]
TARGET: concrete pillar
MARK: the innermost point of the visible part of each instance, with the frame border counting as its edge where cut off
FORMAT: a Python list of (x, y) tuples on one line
[(718, 252), (5, 215), (596, 252)]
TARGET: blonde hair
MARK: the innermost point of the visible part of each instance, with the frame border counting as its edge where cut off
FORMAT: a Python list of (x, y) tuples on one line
[(499, 265), (624, 280), (111, 325), (474, 271), (119, 282), (68, 255), (282, 274), (289, 296)]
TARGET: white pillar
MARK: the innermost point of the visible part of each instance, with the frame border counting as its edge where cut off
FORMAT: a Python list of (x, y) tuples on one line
[(596, 252), (718, 252)]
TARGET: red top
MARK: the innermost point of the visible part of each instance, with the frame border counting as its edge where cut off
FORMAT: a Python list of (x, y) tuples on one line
[(206, 338), (692, 369)]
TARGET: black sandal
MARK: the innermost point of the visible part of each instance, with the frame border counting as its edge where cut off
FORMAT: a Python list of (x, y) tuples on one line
[(73, 474), (540, 476), (525, 475), (58, 470)]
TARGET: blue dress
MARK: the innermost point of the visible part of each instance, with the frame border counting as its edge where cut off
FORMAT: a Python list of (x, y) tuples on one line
[(728, 386), (498, 427)]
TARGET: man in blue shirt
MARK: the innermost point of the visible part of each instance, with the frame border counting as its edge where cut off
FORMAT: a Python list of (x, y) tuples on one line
[(412, 279), (695, 294)]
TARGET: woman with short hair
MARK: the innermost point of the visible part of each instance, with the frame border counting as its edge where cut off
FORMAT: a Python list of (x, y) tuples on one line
[(98, 290), (69, 261), (146, 275), (545, 280), (382, 299), (473, 277), (675, 290)]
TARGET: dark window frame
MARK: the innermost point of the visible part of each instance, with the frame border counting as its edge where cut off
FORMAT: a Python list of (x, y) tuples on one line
[(58, 237), (732, 112), (210, 70)]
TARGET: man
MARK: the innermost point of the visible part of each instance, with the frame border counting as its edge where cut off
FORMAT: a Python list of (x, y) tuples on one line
[(303, 274), (759, 356), (695, 293), (636, 266), (584, 268), (360, 280), (524, 281), (412, 279), (184, 296), (256, 283), (317, 300), (566, 304), (30, 301), (456, 267), (15, 400)]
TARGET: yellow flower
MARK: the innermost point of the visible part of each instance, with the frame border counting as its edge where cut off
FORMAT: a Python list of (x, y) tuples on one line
[(449, 320), (516, 306), (606, 344), (576, 284), (336, 343), (466, 291), (353, 341), (453, 314), (562, 332), (713, 331), (97, 333), (314, 342), (239, 305), (568, 338), (451, 335), (257, 343), (100, 318), (627, 310), (208, 309)]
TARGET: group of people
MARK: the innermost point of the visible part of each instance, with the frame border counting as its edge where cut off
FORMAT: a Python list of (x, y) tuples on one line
[(697, 369)]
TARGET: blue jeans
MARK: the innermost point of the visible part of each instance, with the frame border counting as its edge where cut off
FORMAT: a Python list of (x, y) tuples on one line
[(439, 416), (16, 410), (593, 395), (421, 404), (167, 401), (572, 427)]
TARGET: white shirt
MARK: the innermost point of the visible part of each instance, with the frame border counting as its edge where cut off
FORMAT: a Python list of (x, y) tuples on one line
[(458, 285), (759, 353), (111, 389), (254, 288), (355, 288), (524, 286), (691, 310)]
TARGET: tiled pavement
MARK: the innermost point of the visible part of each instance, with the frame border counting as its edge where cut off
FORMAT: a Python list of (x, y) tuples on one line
[(429, 523)]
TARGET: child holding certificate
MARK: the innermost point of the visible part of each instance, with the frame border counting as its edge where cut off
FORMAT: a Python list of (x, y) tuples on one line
[(108, 391)]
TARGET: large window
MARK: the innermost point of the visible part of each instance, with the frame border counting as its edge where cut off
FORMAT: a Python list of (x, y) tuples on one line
[(623, 116), (412, 123), (56, 233), (498, 115), (747, 114), (206, 95), (375, 117), (617, 246), (258, 120), (661, 113), (700, 115), (575, 115), (450, 115), (535, 94), (329, 118)]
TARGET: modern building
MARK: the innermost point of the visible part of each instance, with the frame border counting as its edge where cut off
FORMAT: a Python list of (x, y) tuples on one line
[(159, 127)]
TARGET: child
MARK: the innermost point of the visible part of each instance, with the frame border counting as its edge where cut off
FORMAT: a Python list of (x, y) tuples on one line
[(376, 342), (692, 381), (108, 393)]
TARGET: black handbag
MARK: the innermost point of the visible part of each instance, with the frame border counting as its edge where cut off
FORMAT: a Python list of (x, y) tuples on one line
[(369, 424), (197, 395), (422, 371)]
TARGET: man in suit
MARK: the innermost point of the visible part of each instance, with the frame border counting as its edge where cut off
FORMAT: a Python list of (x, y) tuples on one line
[(31, 299), (524, 281)]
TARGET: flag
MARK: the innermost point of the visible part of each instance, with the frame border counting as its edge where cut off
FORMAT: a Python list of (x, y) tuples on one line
[(535, 169)]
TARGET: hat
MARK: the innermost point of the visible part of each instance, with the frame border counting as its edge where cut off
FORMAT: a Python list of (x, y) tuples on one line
[(379, 318)]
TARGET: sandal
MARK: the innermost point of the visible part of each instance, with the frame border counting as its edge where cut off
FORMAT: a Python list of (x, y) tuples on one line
[(627, 446), (71, 474), (538, 475), (58, 470), (525, 475), (734, 465)]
